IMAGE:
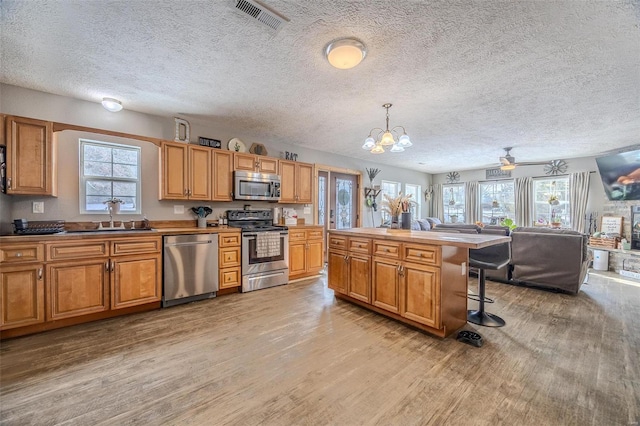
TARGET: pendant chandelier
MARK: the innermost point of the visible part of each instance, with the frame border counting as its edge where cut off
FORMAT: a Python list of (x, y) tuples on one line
[(398, 142)]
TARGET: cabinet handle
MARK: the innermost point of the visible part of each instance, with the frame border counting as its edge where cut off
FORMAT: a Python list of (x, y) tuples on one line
[(8, 183), (40, 274), (106, 266), (19, 254), (113, 265)]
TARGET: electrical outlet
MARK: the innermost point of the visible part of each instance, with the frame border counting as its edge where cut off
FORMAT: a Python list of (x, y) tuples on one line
[(463, 268), (178, 209), (38, 207)]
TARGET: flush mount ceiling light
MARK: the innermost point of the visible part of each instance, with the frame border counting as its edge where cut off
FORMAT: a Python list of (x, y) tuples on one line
[(345, 53), (387, 138), (111, 104)]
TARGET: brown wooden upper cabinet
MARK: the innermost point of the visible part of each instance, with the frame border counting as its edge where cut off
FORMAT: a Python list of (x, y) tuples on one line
[(296, 182), (222, 175), (185, 172), (254, 163), (31, 157)]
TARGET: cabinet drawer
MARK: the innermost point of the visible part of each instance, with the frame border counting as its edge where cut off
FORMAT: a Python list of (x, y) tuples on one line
[(338, 242), (21, 253), (229, 256), (360, 245), (314, 234), (297, 235), (386, 249), (422, 254), (77, 250), (135, 247), (230, 277), (229, 240)]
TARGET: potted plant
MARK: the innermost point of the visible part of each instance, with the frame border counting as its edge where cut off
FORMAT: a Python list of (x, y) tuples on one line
[(556, 220), (553, 200), (509, 223)]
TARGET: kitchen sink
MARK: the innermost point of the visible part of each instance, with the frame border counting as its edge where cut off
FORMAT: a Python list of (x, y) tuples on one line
[(127, 230)]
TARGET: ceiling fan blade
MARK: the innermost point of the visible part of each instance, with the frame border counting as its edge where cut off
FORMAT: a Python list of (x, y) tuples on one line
[(504, 161)]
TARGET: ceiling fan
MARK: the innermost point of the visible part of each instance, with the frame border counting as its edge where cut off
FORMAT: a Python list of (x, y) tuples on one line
[(508, 161)]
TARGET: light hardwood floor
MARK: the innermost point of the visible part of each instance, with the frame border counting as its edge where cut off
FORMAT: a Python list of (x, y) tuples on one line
[(294, 355)]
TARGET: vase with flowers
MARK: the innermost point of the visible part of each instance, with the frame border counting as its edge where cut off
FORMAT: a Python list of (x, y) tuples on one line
[(395, 206), (556, 220)]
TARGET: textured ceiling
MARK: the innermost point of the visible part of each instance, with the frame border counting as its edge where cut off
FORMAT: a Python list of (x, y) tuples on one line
[(553, 79)]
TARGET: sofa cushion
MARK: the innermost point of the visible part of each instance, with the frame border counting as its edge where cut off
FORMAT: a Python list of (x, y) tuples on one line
[(433, 221), (457, 227), (424, 224)]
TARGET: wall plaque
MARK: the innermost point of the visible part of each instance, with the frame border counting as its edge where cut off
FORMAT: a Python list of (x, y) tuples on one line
[(497, 173)]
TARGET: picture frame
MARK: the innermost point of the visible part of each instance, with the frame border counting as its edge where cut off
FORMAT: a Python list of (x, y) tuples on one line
[(611, 225), (212, 143)]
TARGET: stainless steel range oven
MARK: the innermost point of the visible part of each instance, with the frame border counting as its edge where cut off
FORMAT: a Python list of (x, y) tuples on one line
[(265, 249)]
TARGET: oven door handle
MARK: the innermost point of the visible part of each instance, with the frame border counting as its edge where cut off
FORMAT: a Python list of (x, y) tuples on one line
[(253, 236)]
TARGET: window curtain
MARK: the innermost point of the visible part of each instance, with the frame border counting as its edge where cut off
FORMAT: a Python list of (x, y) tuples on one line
[(578, 197), (437, 204), (471, 201), (524, 201)]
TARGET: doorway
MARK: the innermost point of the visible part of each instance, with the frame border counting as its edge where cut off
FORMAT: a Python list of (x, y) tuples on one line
[(338, 199)]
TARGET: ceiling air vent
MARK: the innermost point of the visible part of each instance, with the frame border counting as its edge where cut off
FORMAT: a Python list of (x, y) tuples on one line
[(262, 13)]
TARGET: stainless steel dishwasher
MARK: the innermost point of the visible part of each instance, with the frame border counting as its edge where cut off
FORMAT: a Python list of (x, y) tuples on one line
[(190, 268)]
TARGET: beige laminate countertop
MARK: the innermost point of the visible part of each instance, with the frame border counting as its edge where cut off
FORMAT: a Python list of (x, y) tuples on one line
[(115, 234), (472, 241), (303, 226)]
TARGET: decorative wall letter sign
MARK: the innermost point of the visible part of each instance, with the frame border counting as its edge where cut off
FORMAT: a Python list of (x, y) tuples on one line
[(183, 128)]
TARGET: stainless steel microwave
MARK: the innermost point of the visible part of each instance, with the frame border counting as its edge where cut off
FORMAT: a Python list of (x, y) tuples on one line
[(256, 186)]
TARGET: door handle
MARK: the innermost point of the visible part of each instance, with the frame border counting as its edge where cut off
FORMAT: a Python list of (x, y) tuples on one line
[(40, 274)]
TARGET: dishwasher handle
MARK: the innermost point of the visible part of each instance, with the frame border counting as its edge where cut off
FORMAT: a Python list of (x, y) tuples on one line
[(193, 243)]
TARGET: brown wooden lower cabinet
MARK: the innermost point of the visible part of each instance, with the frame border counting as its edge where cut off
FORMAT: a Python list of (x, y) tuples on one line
[(135, 280), (76, 279), (229, 260), (77, 288), (401, 280), (21, 295), (306, 251)]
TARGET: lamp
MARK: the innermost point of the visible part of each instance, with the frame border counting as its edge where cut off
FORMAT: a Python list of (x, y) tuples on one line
[(386, 138), (345, 53), (111, 104)]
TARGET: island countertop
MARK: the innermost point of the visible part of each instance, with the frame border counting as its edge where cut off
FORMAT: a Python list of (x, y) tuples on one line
[(471, 241)]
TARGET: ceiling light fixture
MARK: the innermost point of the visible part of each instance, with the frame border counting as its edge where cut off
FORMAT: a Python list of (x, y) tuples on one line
[(111, 104), (386, 138), (345, 53)]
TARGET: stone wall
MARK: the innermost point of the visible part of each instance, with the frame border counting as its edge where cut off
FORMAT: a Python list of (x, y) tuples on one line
[(618, 259)]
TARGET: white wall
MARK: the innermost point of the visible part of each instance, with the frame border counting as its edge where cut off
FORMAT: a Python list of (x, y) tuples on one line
[(40, 105)]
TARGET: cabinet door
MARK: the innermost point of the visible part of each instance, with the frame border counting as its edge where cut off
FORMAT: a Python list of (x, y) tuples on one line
[(21, 296), (338, 278), (287, 181), (77, 288), (315, 256), (243, 161), (421, 294), (174, 165), (360, 277), (31, 157), (297, 258), (267, 165), (136, 281), (222, 174), (230, 277), (199, 173), (386, 285), (304, 183)]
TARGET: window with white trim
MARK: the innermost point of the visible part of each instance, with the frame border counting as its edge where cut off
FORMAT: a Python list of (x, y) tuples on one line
[(109, 171), (497, 201), (391, 189), (453, 200), (551, 200), (416, 200)]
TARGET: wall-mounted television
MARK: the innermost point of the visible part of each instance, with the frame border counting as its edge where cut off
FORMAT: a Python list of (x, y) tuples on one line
[(620, 175)]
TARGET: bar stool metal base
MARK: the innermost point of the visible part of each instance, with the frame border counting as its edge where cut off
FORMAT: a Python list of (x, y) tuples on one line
[(485, 319)]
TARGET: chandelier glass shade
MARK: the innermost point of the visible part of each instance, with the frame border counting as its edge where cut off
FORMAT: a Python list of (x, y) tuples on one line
[(379, 138)]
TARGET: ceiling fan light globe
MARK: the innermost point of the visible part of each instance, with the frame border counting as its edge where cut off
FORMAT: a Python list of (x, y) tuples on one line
[(404, 141), (507, 167), (387, 139), (369, 143)]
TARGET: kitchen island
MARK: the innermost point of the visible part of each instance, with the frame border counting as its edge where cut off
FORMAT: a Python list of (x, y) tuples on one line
[(416, 277)]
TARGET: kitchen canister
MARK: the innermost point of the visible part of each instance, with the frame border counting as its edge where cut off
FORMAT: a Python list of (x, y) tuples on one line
[(202, 222)]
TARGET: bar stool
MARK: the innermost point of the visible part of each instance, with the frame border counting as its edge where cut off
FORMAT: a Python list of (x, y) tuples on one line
[(492, 257)]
